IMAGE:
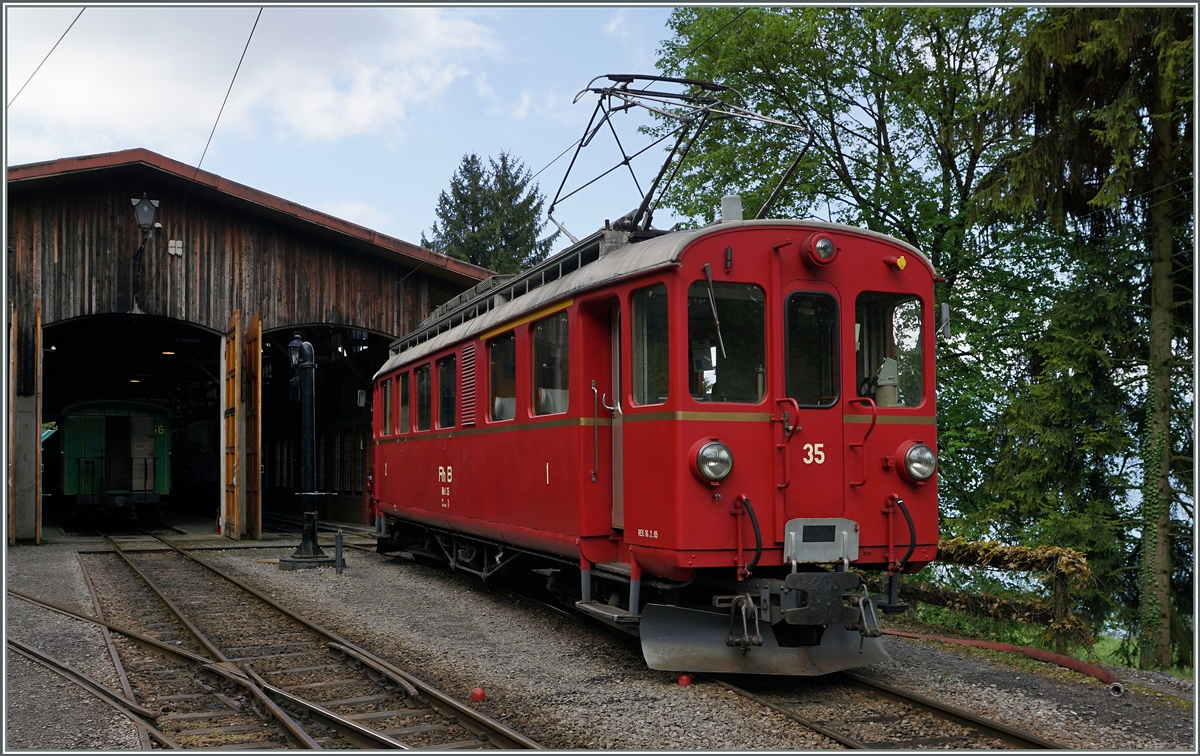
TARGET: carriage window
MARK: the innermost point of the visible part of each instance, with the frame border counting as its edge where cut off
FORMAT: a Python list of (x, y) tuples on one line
[(402, 390), (550, 389), (447, 391), (727, 364), (650, 352), (387, 408), (812, 373), (424, 415), (889, 347), (502, 377)]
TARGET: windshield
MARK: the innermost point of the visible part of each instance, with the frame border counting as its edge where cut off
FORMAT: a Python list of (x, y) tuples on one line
[(889, 346), (729, 368)]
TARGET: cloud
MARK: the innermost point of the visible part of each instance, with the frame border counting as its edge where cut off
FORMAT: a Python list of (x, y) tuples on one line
[(156, 77)]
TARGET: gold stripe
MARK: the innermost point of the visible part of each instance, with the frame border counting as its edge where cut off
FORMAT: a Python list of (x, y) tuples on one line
[(565, 422), (728, 417), (891, 419), (532, 316)]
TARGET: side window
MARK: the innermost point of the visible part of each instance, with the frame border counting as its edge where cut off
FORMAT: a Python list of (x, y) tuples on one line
[(726, 342), (812, 367), (550, 388), (402, 390), (424, 405), (502, 377), (651, 351), (889, 345), (386, 400), (447, 391)]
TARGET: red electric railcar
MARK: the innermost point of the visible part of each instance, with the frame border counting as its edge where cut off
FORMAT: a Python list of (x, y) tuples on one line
[(702, 437)]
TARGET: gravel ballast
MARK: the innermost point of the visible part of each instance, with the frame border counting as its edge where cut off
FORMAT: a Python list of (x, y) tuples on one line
[(44, 711), (564, 685)]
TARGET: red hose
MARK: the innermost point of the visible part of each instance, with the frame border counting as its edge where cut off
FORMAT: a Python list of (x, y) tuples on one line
[(1103, 675)]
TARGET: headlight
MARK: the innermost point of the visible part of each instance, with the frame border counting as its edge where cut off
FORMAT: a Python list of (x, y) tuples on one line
[(919, 462), (819, 250), (714, 461)]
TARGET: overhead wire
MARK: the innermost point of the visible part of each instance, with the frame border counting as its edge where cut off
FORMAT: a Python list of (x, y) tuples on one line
[(39, 67), (688, 53), (220, 112)]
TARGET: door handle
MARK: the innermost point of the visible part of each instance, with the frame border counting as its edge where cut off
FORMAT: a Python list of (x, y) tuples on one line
[(604, 402), (595, 432)]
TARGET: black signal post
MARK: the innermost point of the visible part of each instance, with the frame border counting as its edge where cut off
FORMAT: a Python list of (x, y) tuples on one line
[(308, 553)]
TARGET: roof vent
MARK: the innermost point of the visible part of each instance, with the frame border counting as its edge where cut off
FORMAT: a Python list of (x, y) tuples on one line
[(731, 208)]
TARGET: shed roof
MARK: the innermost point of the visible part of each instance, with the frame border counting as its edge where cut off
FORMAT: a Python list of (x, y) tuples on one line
[(143, 162)]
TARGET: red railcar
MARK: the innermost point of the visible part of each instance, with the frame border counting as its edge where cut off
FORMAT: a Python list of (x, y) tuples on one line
[(703, 437)]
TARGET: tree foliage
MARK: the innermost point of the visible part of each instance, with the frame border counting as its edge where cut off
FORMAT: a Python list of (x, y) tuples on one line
[(491, 216), (1102, 133), (1015, 147)]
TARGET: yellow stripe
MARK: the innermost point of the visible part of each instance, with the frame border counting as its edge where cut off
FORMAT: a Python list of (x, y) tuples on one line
[(727, 417), (891, 419), (566, 422), (532, 316)]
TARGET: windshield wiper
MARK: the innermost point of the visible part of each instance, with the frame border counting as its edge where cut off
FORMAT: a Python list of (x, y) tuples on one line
[(712, 301)]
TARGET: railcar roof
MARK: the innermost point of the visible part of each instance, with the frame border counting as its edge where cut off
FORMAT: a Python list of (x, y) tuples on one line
[(460, 322)]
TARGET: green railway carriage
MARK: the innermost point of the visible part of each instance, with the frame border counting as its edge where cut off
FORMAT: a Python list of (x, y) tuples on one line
[(116, 454)]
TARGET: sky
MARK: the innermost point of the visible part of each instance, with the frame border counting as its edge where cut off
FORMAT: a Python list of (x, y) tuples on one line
[(363, 113)]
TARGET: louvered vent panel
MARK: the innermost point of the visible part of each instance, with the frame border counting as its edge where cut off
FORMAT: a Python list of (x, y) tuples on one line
[(468, 385)]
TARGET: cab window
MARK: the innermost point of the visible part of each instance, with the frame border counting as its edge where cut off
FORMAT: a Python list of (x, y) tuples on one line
[(889, 349), (650, 348), (424, 403), (812, 354), (726, 342), (550, 365), (502, 377)]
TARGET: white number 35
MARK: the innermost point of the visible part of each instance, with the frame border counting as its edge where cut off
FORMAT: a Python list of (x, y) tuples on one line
[(814, 454)]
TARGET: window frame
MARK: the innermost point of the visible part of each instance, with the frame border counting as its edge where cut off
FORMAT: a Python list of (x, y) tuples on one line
[(536, 406), (447, 403), (836, 343), (427, 370), (385, 399), (726, 330), (492, 397), (634, 344), (403, 404)]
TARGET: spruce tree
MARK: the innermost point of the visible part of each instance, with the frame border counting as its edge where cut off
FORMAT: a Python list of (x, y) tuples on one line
[(491, 217)]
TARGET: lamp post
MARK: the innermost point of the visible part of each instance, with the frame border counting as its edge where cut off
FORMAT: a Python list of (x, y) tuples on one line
[(144, 209), (308, 553)]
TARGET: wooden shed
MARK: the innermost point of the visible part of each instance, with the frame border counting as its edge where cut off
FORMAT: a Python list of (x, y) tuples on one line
[(194, 313)]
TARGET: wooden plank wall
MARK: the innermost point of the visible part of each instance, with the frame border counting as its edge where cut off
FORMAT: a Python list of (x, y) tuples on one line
[(74, 244)]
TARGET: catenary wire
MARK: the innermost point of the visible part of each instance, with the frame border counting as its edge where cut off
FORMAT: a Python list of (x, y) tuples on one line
[(39, 68)]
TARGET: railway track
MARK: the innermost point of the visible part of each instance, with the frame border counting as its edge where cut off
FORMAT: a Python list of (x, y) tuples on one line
[(854, 710), (861, 713), (223, 666)]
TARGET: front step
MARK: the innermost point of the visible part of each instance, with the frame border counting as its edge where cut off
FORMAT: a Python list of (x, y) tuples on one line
[(611, 614)]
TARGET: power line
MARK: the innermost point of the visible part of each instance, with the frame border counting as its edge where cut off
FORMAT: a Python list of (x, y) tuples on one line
[(222, 110), (39, 68), (196, 173)]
